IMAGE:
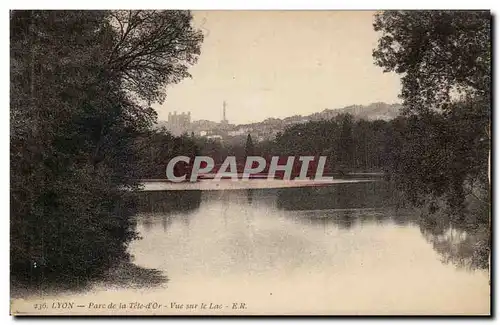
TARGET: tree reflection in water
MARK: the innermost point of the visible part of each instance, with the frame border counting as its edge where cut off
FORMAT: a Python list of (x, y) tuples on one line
[(162, 206), (463, 241), (249, 196)]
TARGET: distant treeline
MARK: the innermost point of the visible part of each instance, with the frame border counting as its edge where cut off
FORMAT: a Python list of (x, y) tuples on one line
[(433, 154)]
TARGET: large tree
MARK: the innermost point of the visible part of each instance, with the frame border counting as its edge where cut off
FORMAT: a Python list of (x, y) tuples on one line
[(82, 85), (444, 59), (441, 55)]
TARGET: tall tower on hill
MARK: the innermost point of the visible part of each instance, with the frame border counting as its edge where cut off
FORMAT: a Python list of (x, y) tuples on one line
[(224, 119)]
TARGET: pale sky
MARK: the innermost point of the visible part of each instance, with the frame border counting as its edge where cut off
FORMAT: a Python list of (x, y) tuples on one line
[(281, 63)]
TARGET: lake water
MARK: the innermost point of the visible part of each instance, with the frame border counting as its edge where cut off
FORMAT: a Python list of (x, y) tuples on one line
[(336, 249)]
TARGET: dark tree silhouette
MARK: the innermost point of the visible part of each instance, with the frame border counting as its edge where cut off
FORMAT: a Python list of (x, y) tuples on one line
[(82, 85), (445, 61), (437, 52), (249, 148)]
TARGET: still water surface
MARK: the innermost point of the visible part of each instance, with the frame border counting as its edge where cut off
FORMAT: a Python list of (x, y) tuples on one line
[(338, 249)]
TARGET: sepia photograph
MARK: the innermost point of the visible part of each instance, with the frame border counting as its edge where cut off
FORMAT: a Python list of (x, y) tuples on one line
[(250, 162)]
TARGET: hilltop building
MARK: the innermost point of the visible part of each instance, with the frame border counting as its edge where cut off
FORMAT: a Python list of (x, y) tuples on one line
[(179, 123)]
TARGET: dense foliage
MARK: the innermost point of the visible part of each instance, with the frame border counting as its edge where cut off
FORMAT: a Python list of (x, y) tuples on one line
[(444, 58), (158, 146), (441, 55), (349, 144), (82, 85)]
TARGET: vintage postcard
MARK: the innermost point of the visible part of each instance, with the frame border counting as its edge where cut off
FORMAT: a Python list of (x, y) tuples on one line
[(167, 162)]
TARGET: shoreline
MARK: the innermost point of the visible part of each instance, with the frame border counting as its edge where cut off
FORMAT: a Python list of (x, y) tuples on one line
[(228, 184)]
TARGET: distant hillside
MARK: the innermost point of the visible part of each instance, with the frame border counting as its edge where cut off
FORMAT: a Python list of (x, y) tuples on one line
[(268, 128), (375, 111)]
